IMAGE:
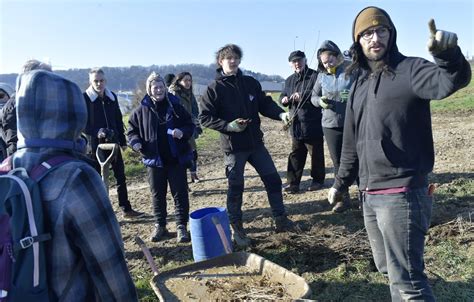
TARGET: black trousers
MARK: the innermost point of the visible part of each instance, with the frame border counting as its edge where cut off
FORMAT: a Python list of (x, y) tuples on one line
[(158, 178), (119, 173), (297, 160), (333, 138)]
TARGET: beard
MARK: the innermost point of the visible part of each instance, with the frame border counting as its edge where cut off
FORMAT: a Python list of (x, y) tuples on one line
[(376, 60), (375, 56)]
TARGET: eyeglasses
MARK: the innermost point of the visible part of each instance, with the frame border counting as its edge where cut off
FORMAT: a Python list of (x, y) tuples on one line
[(382, 32)]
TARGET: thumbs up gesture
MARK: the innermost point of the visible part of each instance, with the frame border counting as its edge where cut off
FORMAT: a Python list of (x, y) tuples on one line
[(440, 40)]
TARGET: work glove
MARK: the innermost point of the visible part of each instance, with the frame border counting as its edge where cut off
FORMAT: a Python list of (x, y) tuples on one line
[(440, 40), (344, 95), (323, 102), (335, 195), (285, 117), (137, 147), (177, 133), (105, 134), (237, 125), (102, 133)]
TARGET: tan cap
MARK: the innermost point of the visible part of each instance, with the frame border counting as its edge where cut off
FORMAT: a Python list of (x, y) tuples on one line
[(370, 17)]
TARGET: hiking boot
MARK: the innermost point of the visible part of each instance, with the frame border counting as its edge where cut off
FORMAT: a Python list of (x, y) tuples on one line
[(284, 224), (132, 214), (239, 236), (315, 186), (159, 233), (291, 189), (194, 177), (182, 234)]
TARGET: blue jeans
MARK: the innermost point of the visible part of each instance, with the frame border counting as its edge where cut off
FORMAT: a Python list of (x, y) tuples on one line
[(261, 160), (396, 225)]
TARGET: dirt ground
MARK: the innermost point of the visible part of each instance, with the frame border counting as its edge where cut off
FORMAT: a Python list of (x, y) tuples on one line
[(325, 238)]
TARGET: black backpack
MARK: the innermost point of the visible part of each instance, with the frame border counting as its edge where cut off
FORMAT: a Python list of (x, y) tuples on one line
[(23, 275)]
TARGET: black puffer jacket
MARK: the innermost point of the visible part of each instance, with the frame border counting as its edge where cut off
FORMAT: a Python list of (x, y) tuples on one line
[(306, 118), (144, 126), (236, 96)]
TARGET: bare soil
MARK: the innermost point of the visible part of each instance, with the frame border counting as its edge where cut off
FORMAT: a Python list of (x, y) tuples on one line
[(326, 239)]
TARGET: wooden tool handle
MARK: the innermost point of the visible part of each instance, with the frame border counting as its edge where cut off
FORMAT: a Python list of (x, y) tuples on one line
[(220, 230), (148, 255)]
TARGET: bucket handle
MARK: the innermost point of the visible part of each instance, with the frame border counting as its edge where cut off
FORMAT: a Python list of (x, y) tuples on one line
[(220, 230)]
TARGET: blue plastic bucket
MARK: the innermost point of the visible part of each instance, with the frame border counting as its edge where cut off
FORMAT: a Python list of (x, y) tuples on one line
[(205, 239)]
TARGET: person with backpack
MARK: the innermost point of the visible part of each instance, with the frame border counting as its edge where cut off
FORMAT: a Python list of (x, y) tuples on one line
[(159, 129), (388, 143), (80, 246), (105, 125), (182, 87)]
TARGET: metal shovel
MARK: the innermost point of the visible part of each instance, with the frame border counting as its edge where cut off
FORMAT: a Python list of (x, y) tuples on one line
[(105, 160)]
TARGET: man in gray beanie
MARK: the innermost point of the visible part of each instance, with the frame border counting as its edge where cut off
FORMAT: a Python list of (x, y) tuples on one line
[(388, 142)]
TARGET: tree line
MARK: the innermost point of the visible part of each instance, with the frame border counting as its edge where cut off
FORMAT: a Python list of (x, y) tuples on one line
[(133, 78)]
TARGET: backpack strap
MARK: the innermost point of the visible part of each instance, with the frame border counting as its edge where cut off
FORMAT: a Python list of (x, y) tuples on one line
[(40, 171)]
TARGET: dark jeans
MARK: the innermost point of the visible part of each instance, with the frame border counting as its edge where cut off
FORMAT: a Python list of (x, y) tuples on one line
[(297, 160), (119, 173), (193, 165), (333, 138), (158, 178), (261, 160), (397, 225)]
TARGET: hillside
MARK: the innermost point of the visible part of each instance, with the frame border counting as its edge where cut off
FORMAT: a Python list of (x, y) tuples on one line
[(133, 77)]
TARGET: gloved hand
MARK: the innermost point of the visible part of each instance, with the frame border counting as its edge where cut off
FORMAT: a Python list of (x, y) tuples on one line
[(344, 95), (177, 133), (285, 117), (105, 133), (237, 125), (102, 133), (335, 196), (137, 147), (440, 40), (323, 102)]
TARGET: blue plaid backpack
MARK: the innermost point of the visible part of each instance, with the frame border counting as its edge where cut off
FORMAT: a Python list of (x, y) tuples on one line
[(23, 234)]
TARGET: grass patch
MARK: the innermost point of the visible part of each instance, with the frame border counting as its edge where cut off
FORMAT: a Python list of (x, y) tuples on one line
[(461, 101), (208, 137)]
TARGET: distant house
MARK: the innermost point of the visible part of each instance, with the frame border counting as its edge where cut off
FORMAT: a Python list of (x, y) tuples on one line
[(272, 87)]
